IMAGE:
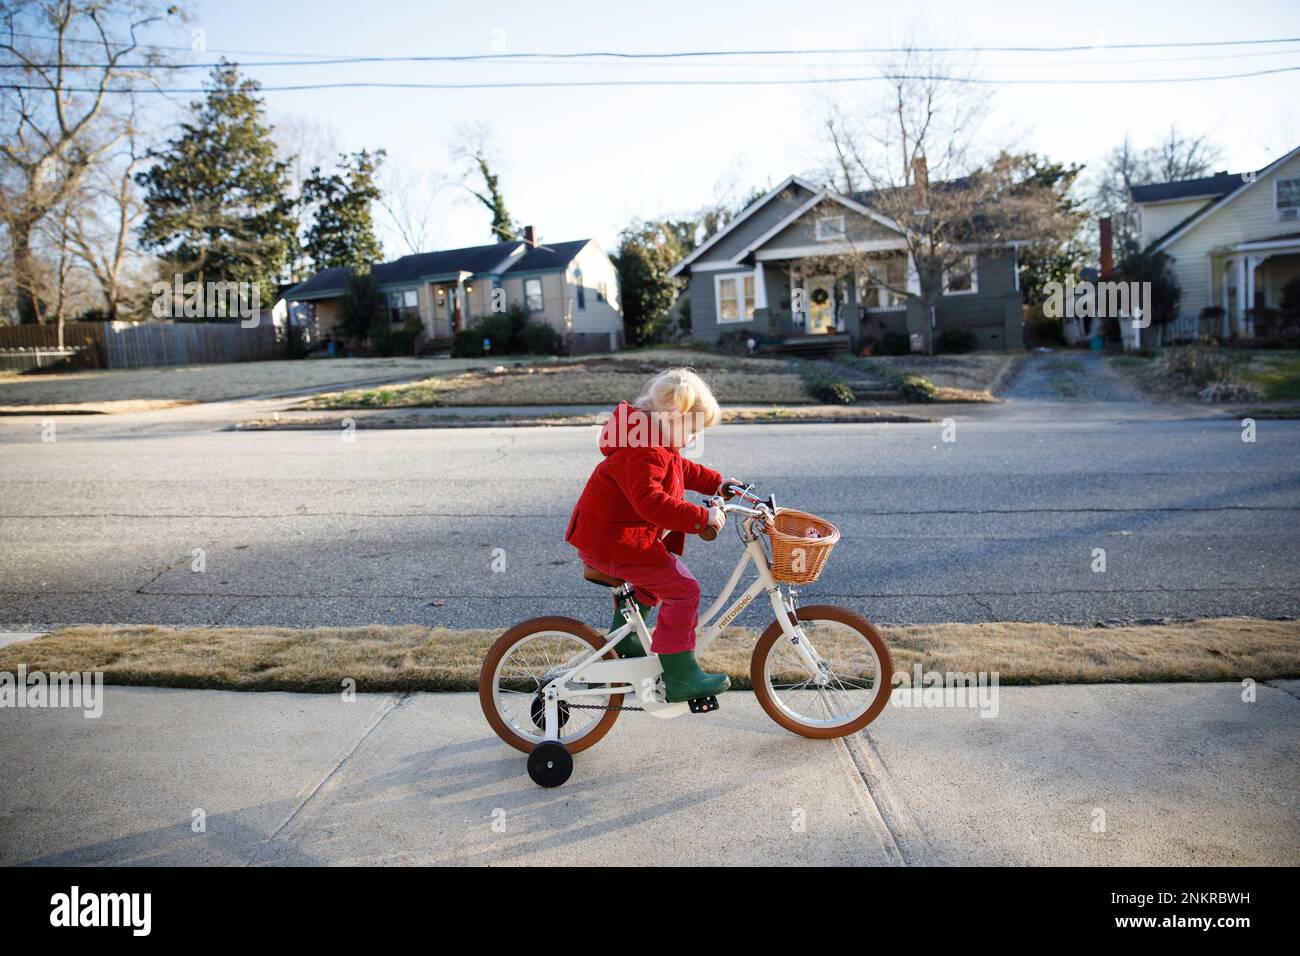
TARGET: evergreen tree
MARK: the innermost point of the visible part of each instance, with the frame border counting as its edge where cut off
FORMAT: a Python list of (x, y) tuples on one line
[(342, 232), (216, 199), (646, 252)]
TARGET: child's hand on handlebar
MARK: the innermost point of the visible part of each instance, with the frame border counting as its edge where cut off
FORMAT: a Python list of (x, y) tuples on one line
[(725, 489), (717, 518)]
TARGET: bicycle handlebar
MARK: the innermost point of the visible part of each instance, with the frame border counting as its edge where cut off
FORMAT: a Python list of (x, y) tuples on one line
[(765, 507)]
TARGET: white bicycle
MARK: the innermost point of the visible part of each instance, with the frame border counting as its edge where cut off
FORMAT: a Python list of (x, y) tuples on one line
[(553, 686)]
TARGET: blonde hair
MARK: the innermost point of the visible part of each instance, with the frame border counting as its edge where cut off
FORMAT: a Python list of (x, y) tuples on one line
[(680, 390)]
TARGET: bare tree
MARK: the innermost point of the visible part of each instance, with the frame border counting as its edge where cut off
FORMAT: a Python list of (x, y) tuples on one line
[(103, 219), (410, 198), (305, 144), (1175, 157), (69, 58), (913, 159)]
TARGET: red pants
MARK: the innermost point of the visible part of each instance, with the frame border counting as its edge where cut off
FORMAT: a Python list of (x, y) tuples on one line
[(674, 586)]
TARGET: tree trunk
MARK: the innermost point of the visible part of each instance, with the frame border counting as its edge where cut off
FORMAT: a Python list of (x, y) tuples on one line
[(26, 298)]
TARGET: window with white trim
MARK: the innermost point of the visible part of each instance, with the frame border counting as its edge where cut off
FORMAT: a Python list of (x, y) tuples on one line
[(403, 305), (884, 284), (735, 298), (1286, 200), (829, 228), (961, 279), (533, 295)]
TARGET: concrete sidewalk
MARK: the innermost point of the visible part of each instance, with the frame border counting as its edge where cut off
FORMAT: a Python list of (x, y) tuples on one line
[(1183, 773)]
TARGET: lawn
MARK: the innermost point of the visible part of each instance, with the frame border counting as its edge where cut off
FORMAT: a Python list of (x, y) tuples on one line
[(595, 381), (181, 384), (1177, 372), (1275, 374), (443, 659)]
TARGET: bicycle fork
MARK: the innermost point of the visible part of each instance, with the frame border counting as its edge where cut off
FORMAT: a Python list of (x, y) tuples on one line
[(785, 609)]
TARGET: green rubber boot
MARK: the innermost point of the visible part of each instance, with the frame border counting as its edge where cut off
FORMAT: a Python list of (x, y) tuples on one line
[(629, 646), (683, 679)]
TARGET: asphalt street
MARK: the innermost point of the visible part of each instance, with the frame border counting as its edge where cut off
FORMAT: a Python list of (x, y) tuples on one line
[(1002, 513)]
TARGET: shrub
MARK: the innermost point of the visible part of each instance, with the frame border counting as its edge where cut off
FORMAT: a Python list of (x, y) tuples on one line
[(362, 307), (894, 343), (538, 338), (955, 342), (825, 387), (1289, 301), (917, 389), (1198, 366), (510, 332), (386, 341)]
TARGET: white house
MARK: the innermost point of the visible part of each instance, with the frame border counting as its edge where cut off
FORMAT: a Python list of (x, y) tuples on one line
[(1234, 239)]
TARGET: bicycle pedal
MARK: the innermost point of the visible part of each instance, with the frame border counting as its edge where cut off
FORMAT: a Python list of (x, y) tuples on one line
[(704, 705)]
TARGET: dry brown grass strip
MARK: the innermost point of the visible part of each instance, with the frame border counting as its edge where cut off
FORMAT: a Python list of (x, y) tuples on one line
[(444, 659)]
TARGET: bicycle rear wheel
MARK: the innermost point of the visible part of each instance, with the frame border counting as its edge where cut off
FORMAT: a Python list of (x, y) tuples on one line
[(850, 688), (521, 662)]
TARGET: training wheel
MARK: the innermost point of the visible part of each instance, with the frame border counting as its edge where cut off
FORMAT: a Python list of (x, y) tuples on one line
[(550, 763)]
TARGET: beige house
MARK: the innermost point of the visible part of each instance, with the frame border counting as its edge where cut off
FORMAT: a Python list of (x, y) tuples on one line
[(1234, 239), (572, 285)]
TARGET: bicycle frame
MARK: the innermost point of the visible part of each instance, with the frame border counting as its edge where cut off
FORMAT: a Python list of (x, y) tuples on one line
[(640, 674)]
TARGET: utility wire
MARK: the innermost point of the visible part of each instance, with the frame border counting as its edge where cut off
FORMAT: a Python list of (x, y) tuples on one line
[(680, 54), (570, 84), (765, 64)]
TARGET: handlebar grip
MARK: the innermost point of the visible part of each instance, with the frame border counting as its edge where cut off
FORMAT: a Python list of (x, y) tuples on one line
[(708, 532)]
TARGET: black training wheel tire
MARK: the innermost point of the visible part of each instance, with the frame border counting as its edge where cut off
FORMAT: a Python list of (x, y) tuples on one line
[(550, 764)]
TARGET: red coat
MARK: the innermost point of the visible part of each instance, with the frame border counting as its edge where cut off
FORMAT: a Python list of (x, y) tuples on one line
[(636, 493)]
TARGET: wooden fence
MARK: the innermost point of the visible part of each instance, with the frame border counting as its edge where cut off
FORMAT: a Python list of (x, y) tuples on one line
[(148, 344)]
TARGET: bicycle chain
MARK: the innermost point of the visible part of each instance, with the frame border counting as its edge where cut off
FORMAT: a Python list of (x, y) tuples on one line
[(598, 707)]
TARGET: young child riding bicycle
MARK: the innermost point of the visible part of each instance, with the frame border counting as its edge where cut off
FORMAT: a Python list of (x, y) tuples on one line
[(632, 519)]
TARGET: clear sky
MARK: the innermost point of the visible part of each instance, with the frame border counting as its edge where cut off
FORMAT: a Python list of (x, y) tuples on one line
[(584, 162)]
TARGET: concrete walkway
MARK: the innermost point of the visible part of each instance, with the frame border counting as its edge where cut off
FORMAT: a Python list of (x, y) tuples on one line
[(1178, 774)]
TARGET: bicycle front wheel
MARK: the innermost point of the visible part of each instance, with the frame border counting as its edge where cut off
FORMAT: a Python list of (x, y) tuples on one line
[(845, 691)]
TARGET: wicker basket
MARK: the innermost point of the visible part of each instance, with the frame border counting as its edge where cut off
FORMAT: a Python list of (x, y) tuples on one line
[(796, 558)]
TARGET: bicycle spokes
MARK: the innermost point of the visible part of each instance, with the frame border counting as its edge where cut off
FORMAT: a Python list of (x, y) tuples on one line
[(831, 679)]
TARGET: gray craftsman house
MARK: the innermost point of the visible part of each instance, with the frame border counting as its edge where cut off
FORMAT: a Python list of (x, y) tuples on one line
[(764, 274)]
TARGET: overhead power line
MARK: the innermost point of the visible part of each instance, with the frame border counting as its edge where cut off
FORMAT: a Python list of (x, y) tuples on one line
[(726, 64), (333, 59), (802, 81)]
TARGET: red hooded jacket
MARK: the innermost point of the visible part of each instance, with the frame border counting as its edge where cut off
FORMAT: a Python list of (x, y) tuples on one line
[(636, 493)]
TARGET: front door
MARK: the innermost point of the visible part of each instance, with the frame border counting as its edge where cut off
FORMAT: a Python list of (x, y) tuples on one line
[(819, 294)]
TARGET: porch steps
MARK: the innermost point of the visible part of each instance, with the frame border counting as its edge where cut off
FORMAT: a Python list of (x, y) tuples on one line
[(432, 346)]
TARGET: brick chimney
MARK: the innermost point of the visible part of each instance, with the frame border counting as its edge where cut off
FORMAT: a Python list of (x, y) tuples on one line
[(920, 174), (530, 235), (1107, 252)]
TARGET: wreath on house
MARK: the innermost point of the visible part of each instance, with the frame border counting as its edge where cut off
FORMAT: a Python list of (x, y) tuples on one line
[(820, 296)]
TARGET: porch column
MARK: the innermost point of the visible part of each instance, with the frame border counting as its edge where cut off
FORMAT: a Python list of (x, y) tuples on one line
[(1252, 264), (760, 286), (1223, 280), (1241, 293)]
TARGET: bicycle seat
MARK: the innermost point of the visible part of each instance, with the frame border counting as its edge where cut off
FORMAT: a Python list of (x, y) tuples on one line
[(600, 577)]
